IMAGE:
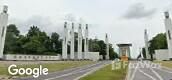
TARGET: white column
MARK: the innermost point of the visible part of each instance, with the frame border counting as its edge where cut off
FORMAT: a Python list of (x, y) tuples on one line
[(3, 28), (79, 42), (64, 43), (168, 26), (107, 47), (86, 41), (146, 44), (72, 43), (141, 54)]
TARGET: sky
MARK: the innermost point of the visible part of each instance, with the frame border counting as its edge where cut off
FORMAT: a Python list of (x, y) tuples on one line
[(123, 20)]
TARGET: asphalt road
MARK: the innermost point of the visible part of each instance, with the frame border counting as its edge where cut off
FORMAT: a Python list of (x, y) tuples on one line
[(69, 74), (151, 71)]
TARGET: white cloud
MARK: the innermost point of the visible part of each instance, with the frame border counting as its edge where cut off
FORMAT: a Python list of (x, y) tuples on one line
[(138, 11)]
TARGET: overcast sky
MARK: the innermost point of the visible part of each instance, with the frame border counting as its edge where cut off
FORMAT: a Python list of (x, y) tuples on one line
[(123, 20)]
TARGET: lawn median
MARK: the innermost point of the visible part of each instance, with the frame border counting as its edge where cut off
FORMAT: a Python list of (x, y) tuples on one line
[(107, 73)]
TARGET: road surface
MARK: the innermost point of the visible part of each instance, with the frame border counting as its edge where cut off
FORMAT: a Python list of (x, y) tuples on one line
[(154, 72), (69, 74)]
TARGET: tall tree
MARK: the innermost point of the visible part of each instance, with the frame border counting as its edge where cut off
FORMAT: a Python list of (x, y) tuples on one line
[(158, 42), (112, 53), (33, 31), (11, 38), (36, 41), (56, 43)]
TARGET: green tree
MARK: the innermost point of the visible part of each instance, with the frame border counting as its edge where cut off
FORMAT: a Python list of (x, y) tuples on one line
[(20, 42), (37, 41), (34, 46), (144, 52), (11, 39), (33, 31), (56, 43), (157, 42), (102, 46)]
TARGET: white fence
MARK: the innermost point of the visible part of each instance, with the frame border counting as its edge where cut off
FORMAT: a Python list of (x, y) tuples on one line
[(162, 54), (31, 57), (90, 55)]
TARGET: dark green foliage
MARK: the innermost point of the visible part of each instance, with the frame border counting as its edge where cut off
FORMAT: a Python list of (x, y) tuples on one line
[(39, 43), (144, 52), (56, 43), (112, 53), (35, 42), (158, 42), (11, 39)]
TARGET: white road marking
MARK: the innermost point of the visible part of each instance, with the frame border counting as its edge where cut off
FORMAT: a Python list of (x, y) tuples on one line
[(151, 77), (134, 72), (160, 78), (67, 74)]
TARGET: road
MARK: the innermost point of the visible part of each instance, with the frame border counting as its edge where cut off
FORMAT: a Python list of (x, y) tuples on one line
[(69, 74), (151, 71)]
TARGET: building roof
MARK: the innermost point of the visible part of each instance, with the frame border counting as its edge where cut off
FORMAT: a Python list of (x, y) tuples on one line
[(121, 45)]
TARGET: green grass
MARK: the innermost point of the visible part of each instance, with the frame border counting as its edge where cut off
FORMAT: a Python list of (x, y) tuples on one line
[(165, 63), (52, 67), (107, 73)]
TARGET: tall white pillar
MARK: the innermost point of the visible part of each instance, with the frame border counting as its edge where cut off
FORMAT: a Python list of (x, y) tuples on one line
[(86, 41), (79, 42), (146, 44), (168, 26), (65, 41), (3, 29), (107, 47), (141, 54), (72, 43)]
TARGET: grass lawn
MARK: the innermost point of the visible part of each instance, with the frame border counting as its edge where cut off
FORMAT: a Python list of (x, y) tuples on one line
[(165, 63), (107, 74), (51, 66)]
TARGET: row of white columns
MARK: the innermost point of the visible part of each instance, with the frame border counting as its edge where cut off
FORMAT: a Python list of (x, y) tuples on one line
[(3, 28), (80, 53)]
